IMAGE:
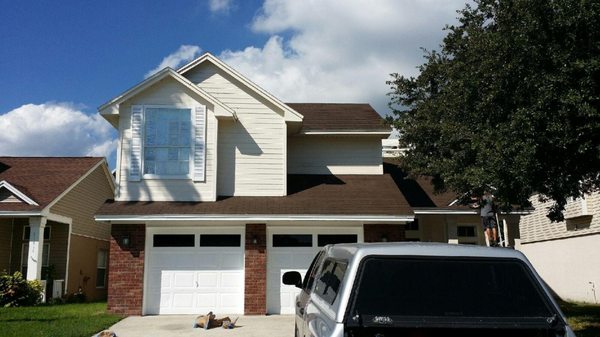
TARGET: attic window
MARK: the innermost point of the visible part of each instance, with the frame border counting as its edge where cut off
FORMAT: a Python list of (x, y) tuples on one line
[(7, 196)]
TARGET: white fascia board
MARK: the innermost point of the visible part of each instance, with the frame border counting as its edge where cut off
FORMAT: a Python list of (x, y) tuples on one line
[(353, 133), (433, 211), (59, 218), (259, 217), (19, 194), (290, 115), (18, 214), (111, 107), (444, 211)]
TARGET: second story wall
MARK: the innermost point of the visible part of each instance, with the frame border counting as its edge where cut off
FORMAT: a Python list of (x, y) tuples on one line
[(168, 93), (252, 149), (316, 154)]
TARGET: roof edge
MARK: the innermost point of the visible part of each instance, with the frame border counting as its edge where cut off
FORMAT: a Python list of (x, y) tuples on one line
[(19, 194), (138, 88), (295, 115), (256, 217)]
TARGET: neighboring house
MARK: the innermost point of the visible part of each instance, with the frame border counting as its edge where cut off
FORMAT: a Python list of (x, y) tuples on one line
[(222, 188), (47, 226), (440, 218), (566, 253)]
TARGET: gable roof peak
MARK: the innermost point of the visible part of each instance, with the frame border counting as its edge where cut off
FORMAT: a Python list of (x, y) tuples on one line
[(291, 115)]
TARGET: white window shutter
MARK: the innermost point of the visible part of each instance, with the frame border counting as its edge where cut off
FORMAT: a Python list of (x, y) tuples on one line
[(199, 143), (135, 162)]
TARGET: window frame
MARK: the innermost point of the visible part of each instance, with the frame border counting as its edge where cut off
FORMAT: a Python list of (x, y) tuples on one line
[(151, 176), (26, 237), (103, 286)]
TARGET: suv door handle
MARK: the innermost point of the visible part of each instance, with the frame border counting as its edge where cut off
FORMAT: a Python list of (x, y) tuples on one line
[(300, 308)]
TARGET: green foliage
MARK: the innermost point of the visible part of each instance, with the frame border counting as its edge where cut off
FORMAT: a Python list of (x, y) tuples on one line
[(16, 291), (67, 320), (510, 101)]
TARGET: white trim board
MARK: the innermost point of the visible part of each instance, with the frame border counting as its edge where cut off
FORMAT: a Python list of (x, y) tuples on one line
[(17, 193), (290, 115), (111, 107), (258, 217)]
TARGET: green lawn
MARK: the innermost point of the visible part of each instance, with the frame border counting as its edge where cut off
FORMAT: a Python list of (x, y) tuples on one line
[(583, 318), (68, 320), (84, 320)]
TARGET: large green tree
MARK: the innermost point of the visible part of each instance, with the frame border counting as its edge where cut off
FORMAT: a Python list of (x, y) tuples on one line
[(509, 101)]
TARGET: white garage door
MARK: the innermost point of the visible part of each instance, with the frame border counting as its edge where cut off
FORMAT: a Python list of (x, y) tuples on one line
[(294, 249), (194, 271)]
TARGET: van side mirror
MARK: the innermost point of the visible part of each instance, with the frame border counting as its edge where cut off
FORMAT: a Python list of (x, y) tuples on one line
[(292, 278)]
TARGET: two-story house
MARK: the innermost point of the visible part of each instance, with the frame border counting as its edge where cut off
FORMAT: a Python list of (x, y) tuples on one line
[(222, 188)]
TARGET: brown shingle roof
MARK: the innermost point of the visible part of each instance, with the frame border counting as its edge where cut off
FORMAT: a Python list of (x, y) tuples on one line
[(339, 117), (42, 179), (419, 192), (307, 195)]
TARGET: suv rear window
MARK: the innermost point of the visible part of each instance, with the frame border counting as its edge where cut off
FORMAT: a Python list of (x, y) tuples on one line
[(448, 287)]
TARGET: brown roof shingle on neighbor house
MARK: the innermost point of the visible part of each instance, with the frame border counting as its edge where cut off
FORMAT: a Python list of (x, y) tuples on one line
[(339, 117), (368, 195), (42, 179)]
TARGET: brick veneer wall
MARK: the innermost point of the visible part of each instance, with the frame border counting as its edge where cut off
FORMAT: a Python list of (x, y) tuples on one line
[(255, 294), (393, 233), (126, 270)]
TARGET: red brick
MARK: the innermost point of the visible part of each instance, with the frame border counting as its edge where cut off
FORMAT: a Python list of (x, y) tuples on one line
[(126, 270), (255, 293)]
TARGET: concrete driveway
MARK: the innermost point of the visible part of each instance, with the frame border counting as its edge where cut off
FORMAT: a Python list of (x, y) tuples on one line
[(181, 325)]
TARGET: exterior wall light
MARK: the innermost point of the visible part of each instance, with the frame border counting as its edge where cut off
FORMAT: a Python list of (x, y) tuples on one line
[(125, 241)]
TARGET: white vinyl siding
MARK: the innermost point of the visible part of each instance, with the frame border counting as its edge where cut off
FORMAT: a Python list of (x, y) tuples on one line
[(167, 93), (251, 150), (312, 154)]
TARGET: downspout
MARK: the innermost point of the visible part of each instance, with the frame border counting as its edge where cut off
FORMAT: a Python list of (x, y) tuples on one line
[(12, 238), (68, 259)]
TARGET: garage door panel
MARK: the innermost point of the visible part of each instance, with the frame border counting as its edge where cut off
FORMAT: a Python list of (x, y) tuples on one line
[(182, 280), (195, 280), (232, 280), (183, 300)]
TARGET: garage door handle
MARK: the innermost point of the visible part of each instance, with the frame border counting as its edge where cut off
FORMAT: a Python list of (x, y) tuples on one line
[(196, 284)]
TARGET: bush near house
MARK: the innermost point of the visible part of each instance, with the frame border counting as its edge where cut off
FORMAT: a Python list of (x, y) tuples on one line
[(16, 291)]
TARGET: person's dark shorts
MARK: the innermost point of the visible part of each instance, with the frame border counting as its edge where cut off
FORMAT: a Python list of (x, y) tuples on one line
[(488, 222)]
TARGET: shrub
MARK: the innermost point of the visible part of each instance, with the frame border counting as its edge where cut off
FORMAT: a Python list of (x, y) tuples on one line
[(16, 291)]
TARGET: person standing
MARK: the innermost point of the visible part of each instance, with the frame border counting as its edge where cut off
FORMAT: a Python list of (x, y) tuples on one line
[(488, 218)]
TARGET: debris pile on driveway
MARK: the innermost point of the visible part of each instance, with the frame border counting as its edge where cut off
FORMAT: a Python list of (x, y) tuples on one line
[(210, 321)]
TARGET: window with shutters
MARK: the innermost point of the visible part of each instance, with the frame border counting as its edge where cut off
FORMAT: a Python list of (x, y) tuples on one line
[(167, 143)]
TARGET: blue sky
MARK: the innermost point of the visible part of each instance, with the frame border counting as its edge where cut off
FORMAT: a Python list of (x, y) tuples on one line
[(60, 60)]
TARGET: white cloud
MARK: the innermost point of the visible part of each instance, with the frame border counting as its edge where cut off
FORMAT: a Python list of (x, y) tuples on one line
[(183, 55), (219, 6), (340, 51), (55, 129)]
